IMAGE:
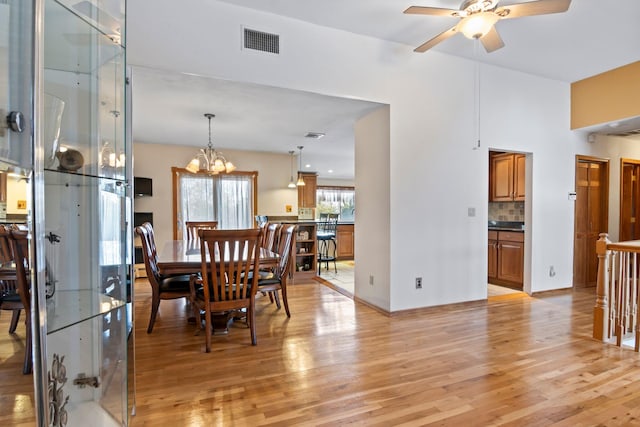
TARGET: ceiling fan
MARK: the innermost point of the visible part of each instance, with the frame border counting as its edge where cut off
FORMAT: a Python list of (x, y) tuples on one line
[(478, 18)]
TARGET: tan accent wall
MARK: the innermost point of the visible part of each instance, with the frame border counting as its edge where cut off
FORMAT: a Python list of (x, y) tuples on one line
[(607, 97)]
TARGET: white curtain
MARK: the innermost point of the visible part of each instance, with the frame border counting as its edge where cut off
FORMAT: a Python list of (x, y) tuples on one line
[(227, 199), (110, 212)]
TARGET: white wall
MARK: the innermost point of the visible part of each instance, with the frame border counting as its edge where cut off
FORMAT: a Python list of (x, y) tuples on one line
[(16, 190), (373, 210), (155, 161), (434, 174)]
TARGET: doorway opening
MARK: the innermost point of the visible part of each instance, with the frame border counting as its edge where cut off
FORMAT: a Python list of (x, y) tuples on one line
[(506, 223)]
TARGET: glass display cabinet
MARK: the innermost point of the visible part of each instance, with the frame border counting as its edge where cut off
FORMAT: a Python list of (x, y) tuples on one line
[(65, 131), (82, 210)]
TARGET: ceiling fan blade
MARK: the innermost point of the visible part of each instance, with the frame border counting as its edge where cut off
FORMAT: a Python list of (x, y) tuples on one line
[(435, 11), (437, 39), (492, 40), (540, 7)]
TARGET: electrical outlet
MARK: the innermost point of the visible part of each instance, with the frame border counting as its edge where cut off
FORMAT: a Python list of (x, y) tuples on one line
[(418, 282), (371, 279)]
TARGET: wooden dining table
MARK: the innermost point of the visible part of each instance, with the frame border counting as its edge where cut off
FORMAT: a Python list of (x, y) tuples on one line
[(183, 257)]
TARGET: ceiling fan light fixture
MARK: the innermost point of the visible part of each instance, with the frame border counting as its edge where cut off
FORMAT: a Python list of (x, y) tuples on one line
[(470, 7), (477, 25)]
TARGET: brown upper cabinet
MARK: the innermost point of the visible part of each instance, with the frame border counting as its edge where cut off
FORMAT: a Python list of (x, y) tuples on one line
[(506, 177), (307, 192)]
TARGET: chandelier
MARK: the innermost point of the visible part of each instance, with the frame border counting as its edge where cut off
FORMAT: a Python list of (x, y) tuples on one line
[(208, 159)]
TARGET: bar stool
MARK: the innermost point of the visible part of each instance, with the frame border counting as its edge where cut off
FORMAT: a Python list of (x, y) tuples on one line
[(326, 236)]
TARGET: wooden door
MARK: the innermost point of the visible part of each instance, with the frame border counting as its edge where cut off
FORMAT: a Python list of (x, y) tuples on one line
[(519, 165), (629, 200), (592, 183), (501, 177)]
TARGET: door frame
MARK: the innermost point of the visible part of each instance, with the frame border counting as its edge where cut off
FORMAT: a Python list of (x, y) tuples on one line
[(605, 196), (623, 161), (528, 213)]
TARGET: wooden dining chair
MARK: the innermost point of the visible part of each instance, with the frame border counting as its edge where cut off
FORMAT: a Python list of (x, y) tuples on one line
[(162, 287), (20, 249), (229, 277), (271, 236), (192, 228), (9, 298), (278, 280), (152, 237)]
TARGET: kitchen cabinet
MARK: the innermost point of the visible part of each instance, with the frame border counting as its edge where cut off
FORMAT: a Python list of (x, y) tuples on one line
[(344, 241), (307, 192), (492, 254), (506, 177), (506, 258)]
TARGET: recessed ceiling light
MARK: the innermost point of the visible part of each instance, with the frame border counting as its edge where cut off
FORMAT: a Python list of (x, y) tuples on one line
[(307, 165), (330, 171), (314, 135)]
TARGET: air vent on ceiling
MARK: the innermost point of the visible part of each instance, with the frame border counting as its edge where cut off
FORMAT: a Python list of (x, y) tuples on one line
[(314, 135), (259, 40)]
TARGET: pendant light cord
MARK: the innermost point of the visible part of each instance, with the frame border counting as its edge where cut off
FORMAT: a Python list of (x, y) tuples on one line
[(476, 84)]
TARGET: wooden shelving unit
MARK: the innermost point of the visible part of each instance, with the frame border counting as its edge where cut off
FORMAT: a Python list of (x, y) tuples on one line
[(306, 250)]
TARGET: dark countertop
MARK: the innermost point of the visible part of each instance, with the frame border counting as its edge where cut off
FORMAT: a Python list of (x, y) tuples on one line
[(309, 221), (506, 226)]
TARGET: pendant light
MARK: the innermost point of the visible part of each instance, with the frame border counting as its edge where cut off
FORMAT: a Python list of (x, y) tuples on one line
[(300, 182), (208, 159), (292, 183)]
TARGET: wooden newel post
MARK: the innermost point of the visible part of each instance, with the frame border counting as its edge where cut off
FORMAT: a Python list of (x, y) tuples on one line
[(601, 309)]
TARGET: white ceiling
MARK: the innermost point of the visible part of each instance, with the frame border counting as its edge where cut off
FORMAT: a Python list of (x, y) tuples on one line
[(169, 108), (593, 36)]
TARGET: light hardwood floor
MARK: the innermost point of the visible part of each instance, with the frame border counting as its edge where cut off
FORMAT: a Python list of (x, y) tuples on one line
[(516, 362)]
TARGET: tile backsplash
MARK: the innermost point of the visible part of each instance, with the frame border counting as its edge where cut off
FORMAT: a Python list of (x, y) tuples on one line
[(506, 211)]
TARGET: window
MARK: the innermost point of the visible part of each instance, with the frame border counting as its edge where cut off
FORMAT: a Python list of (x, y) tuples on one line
[(340, 200), (229, 199)]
